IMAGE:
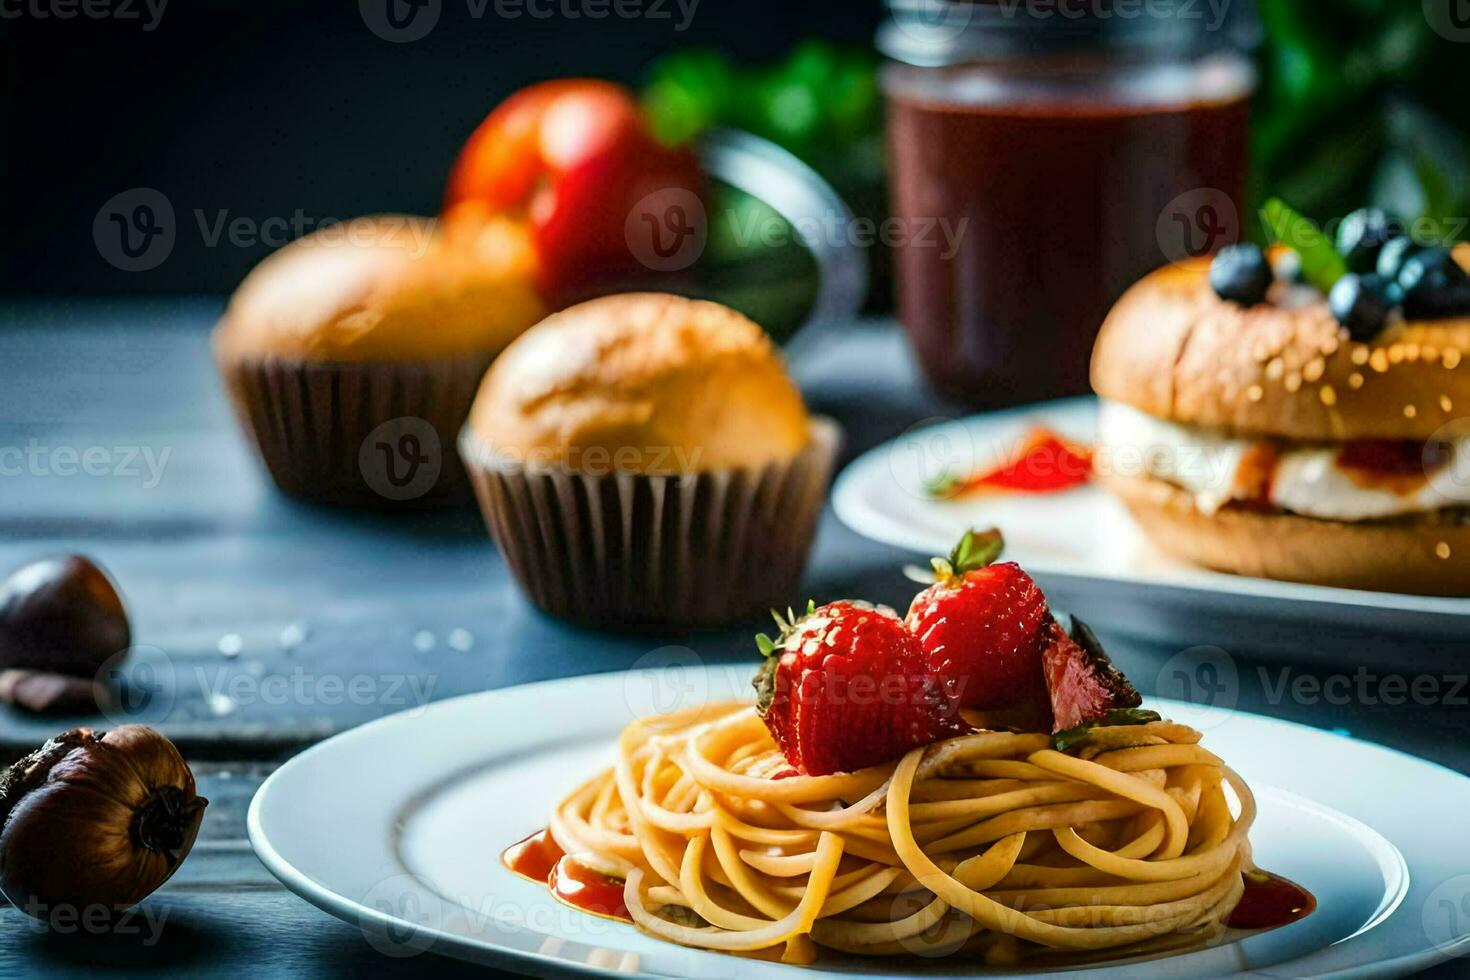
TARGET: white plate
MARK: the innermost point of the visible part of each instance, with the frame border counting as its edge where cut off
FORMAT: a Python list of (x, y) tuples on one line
[(1091, 554), (397, 826)]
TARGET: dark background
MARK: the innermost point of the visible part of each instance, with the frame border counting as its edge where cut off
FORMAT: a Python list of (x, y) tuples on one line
[(298, 113), (257, 108)]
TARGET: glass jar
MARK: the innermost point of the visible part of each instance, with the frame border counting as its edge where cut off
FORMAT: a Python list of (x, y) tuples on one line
[(1043, 156)]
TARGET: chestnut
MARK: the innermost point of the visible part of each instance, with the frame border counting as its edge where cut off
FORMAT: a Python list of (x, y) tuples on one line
[(63, 616), (41, 692), (95, 822)]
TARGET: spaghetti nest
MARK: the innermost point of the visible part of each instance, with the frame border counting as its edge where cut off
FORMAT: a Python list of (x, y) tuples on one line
[(993, 842)]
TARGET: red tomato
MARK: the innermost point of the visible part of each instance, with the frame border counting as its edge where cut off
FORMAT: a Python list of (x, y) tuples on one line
[(574, 157)]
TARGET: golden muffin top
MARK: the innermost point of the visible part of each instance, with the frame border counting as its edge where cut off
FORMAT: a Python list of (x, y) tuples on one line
[(386, 287), (646, 383)]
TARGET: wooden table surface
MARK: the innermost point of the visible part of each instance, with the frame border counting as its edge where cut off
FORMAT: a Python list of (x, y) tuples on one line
[(264, 625)]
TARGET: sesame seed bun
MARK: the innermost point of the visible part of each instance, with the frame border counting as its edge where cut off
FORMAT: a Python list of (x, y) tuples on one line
[(1173, 349), (1427, 554)]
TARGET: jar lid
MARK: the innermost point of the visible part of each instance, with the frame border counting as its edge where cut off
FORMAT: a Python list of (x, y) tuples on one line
[(936, 33)]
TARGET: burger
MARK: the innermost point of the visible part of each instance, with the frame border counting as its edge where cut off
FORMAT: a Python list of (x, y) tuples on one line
[(1301, 413)]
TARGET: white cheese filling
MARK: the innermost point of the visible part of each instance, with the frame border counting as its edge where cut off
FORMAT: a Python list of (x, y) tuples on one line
[(1306, 480)]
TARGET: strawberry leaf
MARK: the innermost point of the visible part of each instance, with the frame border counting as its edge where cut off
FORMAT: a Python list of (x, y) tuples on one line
[(765, 685), (976, 549), (784, 627)]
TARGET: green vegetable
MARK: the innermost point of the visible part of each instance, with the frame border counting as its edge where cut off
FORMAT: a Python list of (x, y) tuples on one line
[(688, 92), (1321, 265), (1069, 737), (821, 103), (1335, 77)]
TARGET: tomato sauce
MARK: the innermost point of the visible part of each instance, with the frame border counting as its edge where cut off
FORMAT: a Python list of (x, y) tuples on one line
[(1254, 474), (534, 858), (591, 891), (1270, 901), (1395, 465), (1044, 463), (539, 859)]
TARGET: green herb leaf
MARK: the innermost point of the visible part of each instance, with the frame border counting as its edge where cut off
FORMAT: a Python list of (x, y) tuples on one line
[(1070, 737), (1129, 716), (765, 644), (944, 485), (976, 550), (1321, 265)]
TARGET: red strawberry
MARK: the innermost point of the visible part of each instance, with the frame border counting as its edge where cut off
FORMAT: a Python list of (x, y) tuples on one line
[(981, 626), (1083, 683), (846, 687)]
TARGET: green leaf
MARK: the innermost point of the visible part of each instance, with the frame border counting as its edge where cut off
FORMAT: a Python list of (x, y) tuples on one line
[(688, 92), (1439, 197), (1321, 265), (976, 550), (1070, 737), (943, 485), (784, 626), (1129, 716)]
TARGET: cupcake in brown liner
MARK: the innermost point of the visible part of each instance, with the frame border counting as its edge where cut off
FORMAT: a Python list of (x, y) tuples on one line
[(644, 461), (353, 354)]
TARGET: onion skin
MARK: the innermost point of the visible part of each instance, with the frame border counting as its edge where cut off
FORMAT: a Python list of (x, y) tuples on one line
[(89, 821)]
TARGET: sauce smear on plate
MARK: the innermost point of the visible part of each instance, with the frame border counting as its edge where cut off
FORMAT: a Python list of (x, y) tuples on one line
[(1044, 463), (539, 859), (1270, 901), (574, 884), (534, 858)]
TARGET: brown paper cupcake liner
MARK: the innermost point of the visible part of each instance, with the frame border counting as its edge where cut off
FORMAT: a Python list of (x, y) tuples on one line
[(364, 435), (644, 552)]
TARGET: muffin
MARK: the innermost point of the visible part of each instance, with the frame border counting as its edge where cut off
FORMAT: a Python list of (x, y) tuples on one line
[(644, 460), (352, 354)]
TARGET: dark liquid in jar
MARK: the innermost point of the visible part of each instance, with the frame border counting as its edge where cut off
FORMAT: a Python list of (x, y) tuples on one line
[(1061, 204)]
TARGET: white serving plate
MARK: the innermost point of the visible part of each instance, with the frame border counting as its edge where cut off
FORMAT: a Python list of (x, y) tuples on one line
[(397, 827), (1095, 561)]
